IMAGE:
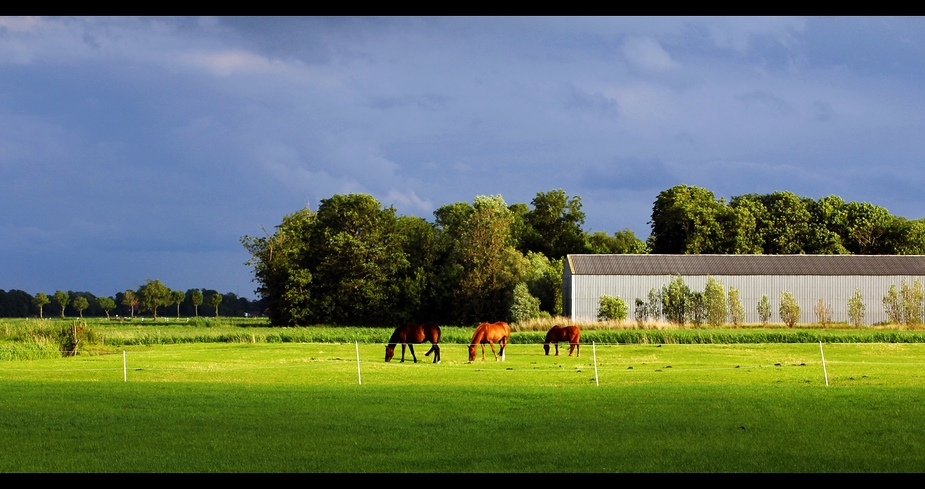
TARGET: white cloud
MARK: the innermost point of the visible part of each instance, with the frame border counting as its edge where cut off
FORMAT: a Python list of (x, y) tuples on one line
[(646, 54)]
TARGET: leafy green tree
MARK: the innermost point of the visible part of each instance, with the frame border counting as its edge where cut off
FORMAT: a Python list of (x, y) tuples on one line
[(764, 310), (912, 299), (195, 298), (41, 299), (106, 304), (80, 303), (130, 300), (622, 242), (483, 267), (856, 309), (554, 225), (524, 305), (736, 309), (696, 311), (611, 308), (893, 306), (177, 297), (866, 224), (789, 309), (676, 301), (654, 304), (688, 220), (62, 298), (214, 301), (544, 281), (640, 312), (152, 295), (714, 300)]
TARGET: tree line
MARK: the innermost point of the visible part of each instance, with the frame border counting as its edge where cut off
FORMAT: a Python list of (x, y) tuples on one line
[(354, 261), (691, 220), (152, 298)]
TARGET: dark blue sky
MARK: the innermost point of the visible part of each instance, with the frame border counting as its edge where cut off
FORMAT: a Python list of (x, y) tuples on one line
[(145, 148)]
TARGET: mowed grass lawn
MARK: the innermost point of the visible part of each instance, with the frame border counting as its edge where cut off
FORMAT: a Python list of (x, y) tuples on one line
[(299, 408)]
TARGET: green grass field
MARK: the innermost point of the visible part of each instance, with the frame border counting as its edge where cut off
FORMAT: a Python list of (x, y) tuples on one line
[(299, 407)]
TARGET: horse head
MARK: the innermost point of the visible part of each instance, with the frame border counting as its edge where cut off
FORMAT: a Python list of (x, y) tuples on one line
[(389, 351)]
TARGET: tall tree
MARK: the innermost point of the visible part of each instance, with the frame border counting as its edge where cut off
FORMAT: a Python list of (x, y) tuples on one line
[(688, 220), (62, 298), (152, 295), (106, 304), (623, 242), (80, 303), (555, 221), (195, 298), (177, 297), (41, 299), (214, 301), (130, 300)]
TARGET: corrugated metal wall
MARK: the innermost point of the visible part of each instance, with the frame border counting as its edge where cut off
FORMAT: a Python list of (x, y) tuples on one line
[(582, 292)]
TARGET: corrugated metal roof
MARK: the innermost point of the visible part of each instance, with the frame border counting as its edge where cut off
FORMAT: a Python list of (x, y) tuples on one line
[(747, 264)]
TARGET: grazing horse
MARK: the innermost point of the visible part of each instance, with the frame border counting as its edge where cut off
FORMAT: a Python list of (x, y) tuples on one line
[(410, 334), (490, 333), (569, 333)]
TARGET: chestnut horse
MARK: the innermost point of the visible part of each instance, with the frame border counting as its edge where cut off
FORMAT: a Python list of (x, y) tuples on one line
[(410, 334), (569, 333), (490, 333)]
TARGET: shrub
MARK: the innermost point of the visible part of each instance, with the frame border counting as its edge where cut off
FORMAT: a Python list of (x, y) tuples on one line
[(736, 309), (764, 310), (524, 305), (676, 300), (823, 313), (612, 308), (856, 309), (714, 302), (789, 309)]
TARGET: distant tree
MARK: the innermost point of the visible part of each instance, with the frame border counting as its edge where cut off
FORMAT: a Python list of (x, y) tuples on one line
[(714, 301), (696, 312), (823, 313), (62, 298), (195, 298), (764, 310), (856, 309), (41, 299), (80, 303), (654, 304), (177, 297), (622, 242), (214, 301), (543, 278), (152, 295), (789, 309), (106, 303), (131, 300), (611, 308), (736, 309)]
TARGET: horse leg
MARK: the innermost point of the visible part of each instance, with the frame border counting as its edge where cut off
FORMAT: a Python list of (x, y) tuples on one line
[(411, 347), (483, 351), (493, 351), (402, 353), (503, 343), (571, 346), (557, 348)]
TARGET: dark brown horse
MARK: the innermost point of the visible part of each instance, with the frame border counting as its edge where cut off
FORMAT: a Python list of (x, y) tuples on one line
[(569, 333), (410, 334), (490, 333)]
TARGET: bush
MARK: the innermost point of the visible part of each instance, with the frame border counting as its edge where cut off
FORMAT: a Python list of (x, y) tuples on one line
[(764, 310), (612, 308), (789, 309), (714, 302), (524, 305)]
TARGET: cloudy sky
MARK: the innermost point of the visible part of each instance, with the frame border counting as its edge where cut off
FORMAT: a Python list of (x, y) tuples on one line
[(146, 148)]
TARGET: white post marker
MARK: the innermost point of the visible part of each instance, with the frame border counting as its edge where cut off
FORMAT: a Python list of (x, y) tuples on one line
[(823, 364), (359, 377), (594, 353), (124, 369)]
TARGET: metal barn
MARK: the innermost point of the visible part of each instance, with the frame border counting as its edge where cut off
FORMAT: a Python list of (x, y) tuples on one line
[(832, 278)]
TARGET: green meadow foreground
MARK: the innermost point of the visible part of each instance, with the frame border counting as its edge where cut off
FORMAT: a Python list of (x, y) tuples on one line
[(300, 407)]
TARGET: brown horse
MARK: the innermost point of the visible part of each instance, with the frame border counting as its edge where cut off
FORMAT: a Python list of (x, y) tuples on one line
[(569, 333), (410, 334), (490, 333)]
